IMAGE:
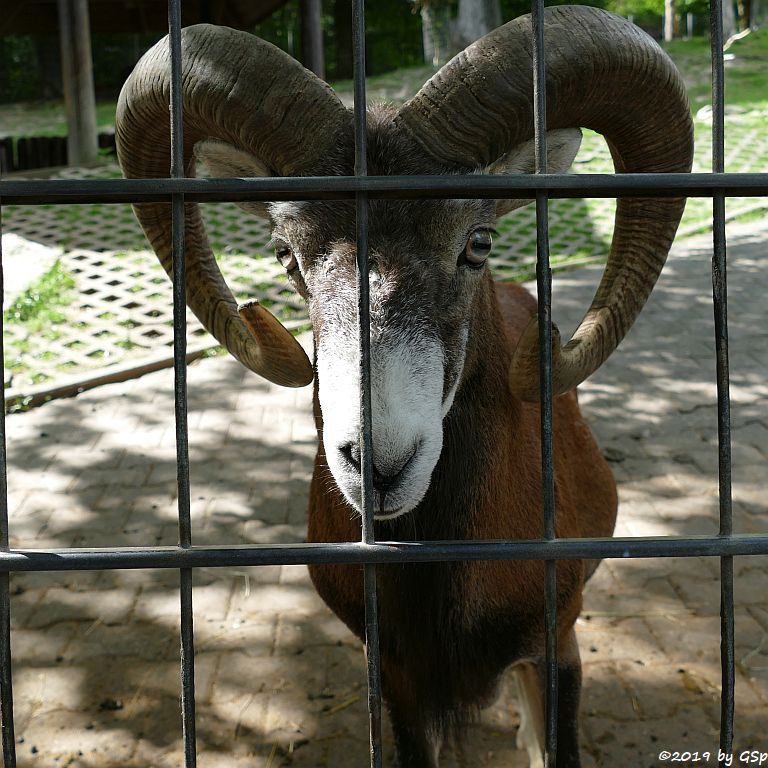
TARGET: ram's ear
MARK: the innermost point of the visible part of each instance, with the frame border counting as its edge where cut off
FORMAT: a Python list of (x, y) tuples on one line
[(562, 146), (225, 161)]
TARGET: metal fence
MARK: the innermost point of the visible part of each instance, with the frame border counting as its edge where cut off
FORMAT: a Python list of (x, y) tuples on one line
[(185, 557)]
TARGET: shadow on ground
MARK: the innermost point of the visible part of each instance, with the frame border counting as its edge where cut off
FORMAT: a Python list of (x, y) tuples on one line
[(279, 680)]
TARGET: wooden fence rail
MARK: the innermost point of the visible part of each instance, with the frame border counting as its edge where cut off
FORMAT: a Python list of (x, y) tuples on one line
[(31, 152)]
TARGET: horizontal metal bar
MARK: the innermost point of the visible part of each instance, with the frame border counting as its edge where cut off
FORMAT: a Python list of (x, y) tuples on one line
[(37, 191), (380, 552)]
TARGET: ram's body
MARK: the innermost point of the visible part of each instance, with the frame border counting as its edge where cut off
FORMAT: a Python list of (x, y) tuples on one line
[(454, 385), (448, 630)]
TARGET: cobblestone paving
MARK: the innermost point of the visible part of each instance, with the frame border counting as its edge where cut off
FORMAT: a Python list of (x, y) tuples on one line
[(279, 680)]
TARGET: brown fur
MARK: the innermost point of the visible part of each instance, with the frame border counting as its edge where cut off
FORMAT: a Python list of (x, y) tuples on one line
[(448, 630)]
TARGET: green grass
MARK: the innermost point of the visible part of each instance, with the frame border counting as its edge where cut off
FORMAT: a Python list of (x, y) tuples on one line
[(38, 306), (35, 313), (392, 86), (746, 76), (48, 118)]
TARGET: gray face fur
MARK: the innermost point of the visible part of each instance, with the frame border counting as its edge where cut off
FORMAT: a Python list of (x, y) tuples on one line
[(423, 298)]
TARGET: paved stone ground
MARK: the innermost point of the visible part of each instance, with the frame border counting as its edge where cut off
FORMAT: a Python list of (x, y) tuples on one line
[(279, 680)]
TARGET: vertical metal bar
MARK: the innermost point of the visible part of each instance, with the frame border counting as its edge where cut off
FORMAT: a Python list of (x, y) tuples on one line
[(6, 671), (544, 289), (363, 292), (720, 300), (179, 281), (187, 670), (180, 391), (366, 451)]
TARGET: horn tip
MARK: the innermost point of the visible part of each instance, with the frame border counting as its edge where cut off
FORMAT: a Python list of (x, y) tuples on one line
[(248, 307), (283, 359)]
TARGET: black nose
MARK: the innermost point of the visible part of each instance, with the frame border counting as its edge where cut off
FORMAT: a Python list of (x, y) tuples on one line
[(381, 482)]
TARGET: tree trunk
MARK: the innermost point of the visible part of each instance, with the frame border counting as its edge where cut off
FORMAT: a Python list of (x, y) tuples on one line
[(312, 54), (475, 19), (436, 28), (669, 20), (729, 20), (745, 14), (77, 76), (758, 13)]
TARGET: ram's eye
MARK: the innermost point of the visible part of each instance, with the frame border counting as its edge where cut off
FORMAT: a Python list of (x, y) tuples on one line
[(286, 257), (478, 247)]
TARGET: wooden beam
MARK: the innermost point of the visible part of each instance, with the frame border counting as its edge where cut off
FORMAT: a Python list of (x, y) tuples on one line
[(77, 76), (7, 22)]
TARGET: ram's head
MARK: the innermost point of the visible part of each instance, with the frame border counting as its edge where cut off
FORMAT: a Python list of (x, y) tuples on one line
[(251, 110)]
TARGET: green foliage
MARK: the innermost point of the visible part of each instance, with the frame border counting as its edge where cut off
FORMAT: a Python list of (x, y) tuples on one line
[(283, 28), (19, 73), (637, 8), (114, 56), (511, 9), (393, 34), (643, 8)]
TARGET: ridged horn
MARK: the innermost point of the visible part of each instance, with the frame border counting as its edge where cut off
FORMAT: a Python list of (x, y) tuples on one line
[(245, 91), (602, 73)]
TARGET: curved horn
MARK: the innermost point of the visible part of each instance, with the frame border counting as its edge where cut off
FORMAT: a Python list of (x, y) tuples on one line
[(603, 73), (245, 91)]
